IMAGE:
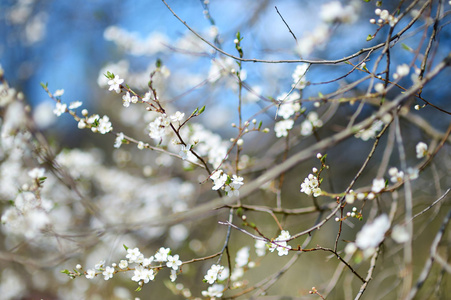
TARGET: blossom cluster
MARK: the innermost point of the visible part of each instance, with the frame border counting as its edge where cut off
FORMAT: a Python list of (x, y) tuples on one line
[(311, 186), (384, 18), (230, 184), (216, 272), (311, 123), (370, 236), (289, 108), (371, 132), (144, 268), (280, 243), (30, 213), (95, 122)]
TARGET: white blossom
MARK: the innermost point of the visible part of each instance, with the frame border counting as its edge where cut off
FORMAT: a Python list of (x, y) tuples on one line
[(378, 185), (395, 175), (118, 142), (237, 273), (173, 276), (311, 186), (75, 104), (36, 173), (400, 234), (123, 264), (108, 273), (260, 247), (372, 234), (280, 243), (143, 274), (219, 179), (133, 255), (213, 291), (177, 117), (90, 274), (370, 133), (173, 262), (58, 93), (162, 254), (184, 151), (147, 261), (126, 99), (282, 127), (157, 128), (379, 87), (299, 77), (401, 71), (146, 97), (310, 123), (104, 125), (212, 273), (115, 84), (242, 257), (422, 149), (60, 108)]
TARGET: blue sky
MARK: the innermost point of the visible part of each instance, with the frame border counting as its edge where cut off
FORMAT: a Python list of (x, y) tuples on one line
[(73, 50)]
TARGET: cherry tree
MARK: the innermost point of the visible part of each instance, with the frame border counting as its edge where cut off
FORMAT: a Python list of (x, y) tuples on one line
[(237, 167)]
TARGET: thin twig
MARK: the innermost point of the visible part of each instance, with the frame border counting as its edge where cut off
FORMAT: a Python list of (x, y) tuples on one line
[(358, 53), (431, 205), (289, 29)]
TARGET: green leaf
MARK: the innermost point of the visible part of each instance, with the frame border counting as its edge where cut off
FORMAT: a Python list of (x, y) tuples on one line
[(188, 167), (126, 248), (65, 272), (320, 95), (109, 75), (240, 212), (138, 289), (158, 63), (260, 125), (369, 37), (201, 110), (44, 85), (405, 47)]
